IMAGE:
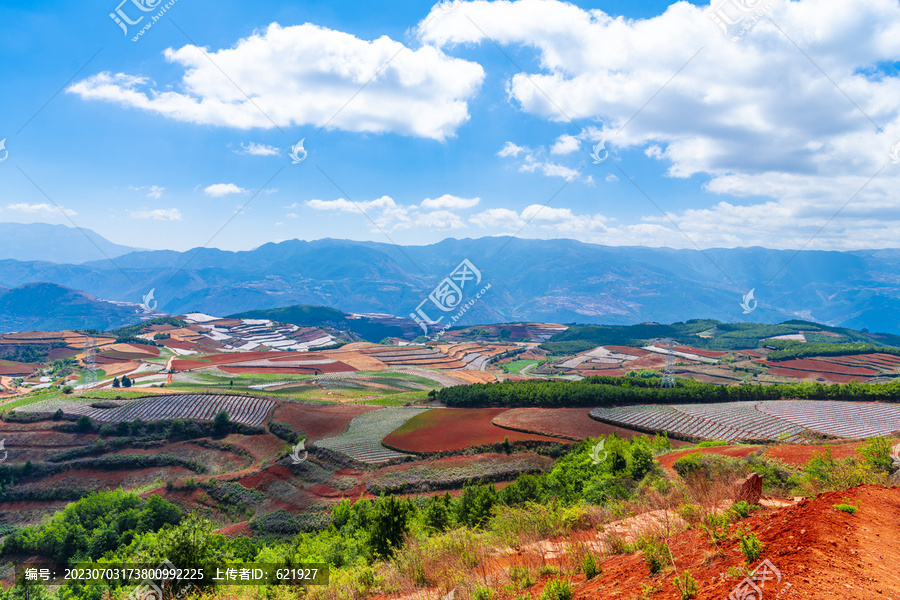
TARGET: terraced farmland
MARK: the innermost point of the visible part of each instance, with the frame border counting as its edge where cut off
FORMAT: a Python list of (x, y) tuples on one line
[(842, 419), (241, 409), (362, 440), (776, 420)]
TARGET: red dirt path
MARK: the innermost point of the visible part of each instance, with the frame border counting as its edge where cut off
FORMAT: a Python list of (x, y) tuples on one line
[(442, 429)]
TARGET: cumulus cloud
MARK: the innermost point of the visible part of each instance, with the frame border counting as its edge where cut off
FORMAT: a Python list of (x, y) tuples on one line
[(449, 201), (158, 214), (565, 144), (254, 149), (389, 216), (305, 75), (41, 209), (510, 149), (218, 190), (756, 118)]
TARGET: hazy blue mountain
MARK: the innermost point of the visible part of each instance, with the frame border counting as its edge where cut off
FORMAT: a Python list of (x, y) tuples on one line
[(50, 307), (55, 243), (548, 280)]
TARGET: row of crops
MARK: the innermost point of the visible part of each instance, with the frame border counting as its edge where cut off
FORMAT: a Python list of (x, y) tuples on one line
[(776, 420), (842, 419), (241, 409), (362, 439)]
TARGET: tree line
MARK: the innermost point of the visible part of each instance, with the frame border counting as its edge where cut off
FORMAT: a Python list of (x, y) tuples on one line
[(616, 391)]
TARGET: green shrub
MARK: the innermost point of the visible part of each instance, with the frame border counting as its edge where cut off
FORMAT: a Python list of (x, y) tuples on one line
[(712, 443), (847, 508), (482, 593), (717, 526), (691, 513), (656, 553), (750, 546), (686, 585), (83, 425), (557, 589), (877, 452), (590, 566), (521, 577), (740, 510)]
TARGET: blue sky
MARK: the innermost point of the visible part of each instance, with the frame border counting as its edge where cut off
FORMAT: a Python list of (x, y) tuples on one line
[(778, 132)]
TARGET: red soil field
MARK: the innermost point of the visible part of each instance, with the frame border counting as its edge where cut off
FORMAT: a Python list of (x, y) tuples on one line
[(651, 361), (335, 367), (442, 429), (806, 364), (14, 369), (812, 375), (320, 421), (627, 350), (700, 351), (798, 456), (571, 423)]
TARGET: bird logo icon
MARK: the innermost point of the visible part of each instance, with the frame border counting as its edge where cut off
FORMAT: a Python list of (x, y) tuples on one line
[(597, 449), (5, 151), (147, 299), (5, 453), (295, 454), (895, 153), (598, 149), (298, 153), (748, 298)]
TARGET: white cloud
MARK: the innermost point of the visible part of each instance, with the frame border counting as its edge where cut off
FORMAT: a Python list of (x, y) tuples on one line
[(548, 168), (756, 117), (218, 190), (450, 201), (158, 214), (254, 149), (153, 191), (390, 216), (611, 178), (305, 75), (510, 149), (566, 144), (41, 209)]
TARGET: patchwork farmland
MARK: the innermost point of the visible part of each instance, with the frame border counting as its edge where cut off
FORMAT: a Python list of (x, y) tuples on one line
[(240, 409), (790, 421), (362, 440)]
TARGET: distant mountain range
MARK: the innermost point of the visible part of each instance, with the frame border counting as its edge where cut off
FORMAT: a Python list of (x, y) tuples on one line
[(55, 243), (52, 307), (530, 280)]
